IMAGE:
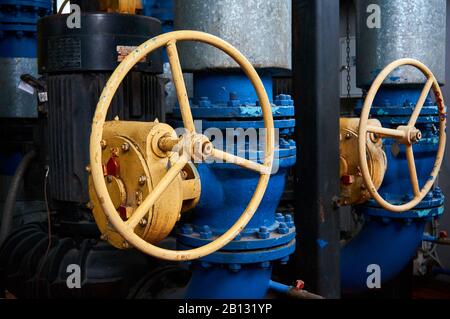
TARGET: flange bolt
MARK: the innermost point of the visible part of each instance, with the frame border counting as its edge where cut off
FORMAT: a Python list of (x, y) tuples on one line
[(263, 232), (283, 229), (205, 232)]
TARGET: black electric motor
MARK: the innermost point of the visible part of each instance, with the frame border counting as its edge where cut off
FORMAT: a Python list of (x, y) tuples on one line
[(76, 64)]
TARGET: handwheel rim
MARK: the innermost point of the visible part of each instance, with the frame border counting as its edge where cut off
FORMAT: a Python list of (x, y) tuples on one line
[(96, 136), (365, 113)]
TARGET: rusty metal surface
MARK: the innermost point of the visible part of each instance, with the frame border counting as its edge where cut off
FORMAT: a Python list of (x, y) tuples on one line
[(409, 29), (260, 29)]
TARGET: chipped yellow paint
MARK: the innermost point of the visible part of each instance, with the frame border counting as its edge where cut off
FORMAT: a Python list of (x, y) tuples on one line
[(404, 134), (127, 229)]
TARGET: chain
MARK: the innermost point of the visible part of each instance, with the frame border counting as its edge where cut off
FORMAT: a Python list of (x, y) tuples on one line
[(347, 40)]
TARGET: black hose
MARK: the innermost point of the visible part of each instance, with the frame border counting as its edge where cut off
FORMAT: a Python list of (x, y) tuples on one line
[(10, 203)]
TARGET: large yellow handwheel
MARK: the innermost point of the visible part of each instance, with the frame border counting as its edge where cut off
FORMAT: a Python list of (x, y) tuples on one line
[(407, 135), (198, 141)]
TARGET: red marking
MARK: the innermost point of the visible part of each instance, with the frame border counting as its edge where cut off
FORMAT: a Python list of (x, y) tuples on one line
[(113, 167), (443, 234), (299, 285), (123, 212), (347, 179)]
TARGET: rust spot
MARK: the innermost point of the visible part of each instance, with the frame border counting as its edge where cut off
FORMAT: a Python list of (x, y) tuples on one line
[(441, 106)]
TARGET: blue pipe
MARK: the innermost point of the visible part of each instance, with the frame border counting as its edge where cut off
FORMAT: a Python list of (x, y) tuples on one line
[(279, 287), (389, 244), (216, 282), (390, 240), (218, 87)]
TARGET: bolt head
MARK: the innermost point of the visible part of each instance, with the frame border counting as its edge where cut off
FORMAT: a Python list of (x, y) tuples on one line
[(109, 179), (143, 222), (265, 265), (205, 264), (234, 267), (142, 180), (238, 237), (206, 235), (103, 144), (263, 232), (186, 229), (283, 228), (125, 244), (125, 147)]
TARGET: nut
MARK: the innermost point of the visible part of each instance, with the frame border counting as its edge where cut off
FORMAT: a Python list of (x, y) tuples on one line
[(125, 147), (142, 180), (142, 222)]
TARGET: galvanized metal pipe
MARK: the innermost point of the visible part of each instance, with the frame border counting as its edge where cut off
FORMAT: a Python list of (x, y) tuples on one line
[(260, 29), (407, 29)]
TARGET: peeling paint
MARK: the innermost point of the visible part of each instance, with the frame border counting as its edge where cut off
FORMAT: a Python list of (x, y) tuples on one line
[(322, 243)]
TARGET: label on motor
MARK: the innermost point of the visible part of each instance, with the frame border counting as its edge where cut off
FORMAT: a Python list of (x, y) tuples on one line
[(124, 50)]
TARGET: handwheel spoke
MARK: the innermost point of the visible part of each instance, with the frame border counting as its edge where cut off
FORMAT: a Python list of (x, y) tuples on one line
[(242, 162), (385, 132), (180, 86), (412, 170), (421, 101), (147, 204)]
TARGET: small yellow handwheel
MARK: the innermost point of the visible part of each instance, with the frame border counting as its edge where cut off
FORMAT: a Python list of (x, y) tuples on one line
[(195, 140), (407, 135)]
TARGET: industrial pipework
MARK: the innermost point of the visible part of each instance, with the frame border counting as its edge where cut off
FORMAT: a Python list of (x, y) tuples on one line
[(18, 37), (225, 99), (18, 112), (75, 64), (411, 29)]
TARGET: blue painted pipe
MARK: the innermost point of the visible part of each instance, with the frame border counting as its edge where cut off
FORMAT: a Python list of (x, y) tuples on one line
[(279, 287), (18, 26), (390, 245), (218, 87), (390, 240), (250, 282)]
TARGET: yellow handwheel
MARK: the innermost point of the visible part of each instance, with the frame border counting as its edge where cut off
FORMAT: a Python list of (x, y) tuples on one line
[(407, 135), (197, 141)]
